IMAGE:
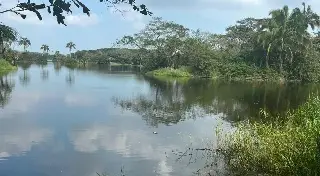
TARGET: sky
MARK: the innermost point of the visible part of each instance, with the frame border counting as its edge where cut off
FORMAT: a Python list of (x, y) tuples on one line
[(106, 24)]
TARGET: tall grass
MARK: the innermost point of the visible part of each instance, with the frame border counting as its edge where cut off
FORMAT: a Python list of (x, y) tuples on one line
[(286, 147)]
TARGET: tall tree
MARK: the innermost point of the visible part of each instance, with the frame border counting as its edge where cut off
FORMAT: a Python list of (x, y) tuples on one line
[(7, 36), (25, 42), (71, 46), (45, 48)]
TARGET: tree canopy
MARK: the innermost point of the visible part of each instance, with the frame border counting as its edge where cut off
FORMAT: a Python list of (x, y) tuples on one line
[(58, 8)]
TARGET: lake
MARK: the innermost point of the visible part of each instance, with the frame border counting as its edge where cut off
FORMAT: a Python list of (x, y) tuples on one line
[(56, 121)]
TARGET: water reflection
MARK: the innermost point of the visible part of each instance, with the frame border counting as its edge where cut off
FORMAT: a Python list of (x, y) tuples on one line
[(20, 139), (57, 68), (128, 143), (25, 76), (6, 87), (70, 78), (171, 101), (44, 74), (106, 119)]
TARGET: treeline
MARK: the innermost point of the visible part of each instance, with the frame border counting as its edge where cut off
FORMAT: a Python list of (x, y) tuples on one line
[(107, 55), (276, 47)]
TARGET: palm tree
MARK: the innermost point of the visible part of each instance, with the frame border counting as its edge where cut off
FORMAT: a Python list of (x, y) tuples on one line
[(287, 32), (25, 42), (45, 48), (7, 36), (71, 46)]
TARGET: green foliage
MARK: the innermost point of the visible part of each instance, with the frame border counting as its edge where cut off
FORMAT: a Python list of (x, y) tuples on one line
[(278, 47), (71, 46), (169, 72), (45, 48), (6, 67), (107, 55), (25, 42), (242, 71), (290, 146), (70, 63)]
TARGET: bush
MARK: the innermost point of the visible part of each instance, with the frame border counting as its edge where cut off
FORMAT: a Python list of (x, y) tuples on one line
[(243, 71), (5, 66), (170, 72), (70, 63), (287, 147)]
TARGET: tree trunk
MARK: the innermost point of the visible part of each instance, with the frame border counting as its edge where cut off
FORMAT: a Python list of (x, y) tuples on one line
[(267, 56), (281, 59)]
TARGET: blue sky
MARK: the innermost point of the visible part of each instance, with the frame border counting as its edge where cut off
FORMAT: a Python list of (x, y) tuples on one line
[(106, 25)]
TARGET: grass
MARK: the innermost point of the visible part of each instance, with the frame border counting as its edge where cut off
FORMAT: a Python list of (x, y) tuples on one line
[(6, 67), (170, 72), (286, 147)]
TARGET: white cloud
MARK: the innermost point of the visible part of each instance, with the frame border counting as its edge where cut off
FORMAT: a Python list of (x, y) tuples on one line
[(30, 19), (137, 20), (82, 20)]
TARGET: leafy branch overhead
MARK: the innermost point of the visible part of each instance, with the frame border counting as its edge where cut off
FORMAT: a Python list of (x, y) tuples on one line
[(58, 8)]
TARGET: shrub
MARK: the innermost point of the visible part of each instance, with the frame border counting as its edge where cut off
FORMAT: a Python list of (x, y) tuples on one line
[(287, 147), (170, 72), (5, 66), (70, 63)]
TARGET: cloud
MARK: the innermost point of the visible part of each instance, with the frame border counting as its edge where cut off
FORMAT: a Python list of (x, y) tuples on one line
[(126, 13), (82, 20), (199, 4)]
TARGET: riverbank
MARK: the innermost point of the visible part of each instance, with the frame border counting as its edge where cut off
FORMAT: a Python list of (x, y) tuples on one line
[(289, 145), (6, 67)]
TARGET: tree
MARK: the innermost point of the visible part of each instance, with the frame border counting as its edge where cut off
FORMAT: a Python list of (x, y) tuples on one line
[(71, 46), (286, 33), (160, 39), (25, 42), (7, 36), (45, 48), (58, 8)]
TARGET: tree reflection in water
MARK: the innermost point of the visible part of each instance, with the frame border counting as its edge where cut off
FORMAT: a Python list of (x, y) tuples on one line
[(25, 77), (172, 101), (6, 87), (70, 78)]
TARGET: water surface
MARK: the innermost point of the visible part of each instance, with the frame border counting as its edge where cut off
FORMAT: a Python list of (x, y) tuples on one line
[(56, 121)]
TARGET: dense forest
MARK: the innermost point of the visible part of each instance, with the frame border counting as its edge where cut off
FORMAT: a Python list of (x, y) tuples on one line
[(282, 46)]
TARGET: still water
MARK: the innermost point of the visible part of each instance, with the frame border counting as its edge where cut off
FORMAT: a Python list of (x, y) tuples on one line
[(56, 121)]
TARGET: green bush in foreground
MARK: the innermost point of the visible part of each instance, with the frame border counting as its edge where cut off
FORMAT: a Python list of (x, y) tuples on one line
[(289, 147), (5, 66), (170, 72)]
